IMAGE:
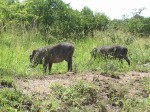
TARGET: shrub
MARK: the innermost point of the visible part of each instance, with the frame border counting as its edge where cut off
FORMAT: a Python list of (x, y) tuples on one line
[(76, 96)]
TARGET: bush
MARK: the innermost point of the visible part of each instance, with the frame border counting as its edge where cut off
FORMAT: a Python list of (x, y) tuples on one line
[(75, 96), (12, 100)]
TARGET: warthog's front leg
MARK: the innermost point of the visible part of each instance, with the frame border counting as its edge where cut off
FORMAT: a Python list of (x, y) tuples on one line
[(120, 59), (44, 67), (49, 67), (69, 65), (44, 64)]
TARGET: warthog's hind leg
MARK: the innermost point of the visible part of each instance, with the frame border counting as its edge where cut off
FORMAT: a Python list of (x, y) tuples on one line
[(126, 58)]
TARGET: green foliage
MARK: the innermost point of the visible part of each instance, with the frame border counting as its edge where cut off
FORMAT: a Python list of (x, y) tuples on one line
[(49, 17), (12, 100), (145, 30), (135, 25), (75, 96), (101, 21), (54, 17), (147, 82), (138, 105), (28, 25), (139, 25), (15, 57), (7, 81)]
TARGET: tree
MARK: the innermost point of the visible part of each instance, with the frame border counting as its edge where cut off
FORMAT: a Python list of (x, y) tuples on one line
[(88, 20), (139, 24), (101, 21)]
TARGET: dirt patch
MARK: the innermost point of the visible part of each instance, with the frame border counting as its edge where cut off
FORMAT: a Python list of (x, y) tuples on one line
[(41, 86)]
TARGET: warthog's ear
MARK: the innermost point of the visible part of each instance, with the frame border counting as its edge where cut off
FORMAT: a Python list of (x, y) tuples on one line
[(94, 50), (33, 52)]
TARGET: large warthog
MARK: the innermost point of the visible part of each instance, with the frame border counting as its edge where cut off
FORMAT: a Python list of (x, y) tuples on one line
[(53, 54), (117, 51)]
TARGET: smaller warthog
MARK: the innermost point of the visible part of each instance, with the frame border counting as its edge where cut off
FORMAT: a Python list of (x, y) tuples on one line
[(117, 51), (53, 54)]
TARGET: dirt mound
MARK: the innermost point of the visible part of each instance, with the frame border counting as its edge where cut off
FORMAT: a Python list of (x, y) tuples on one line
[(41, 86)]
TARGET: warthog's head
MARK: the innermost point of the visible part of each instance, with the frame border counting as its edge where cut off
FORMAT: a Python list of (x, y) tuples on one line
[(35, 58), (93, 53)]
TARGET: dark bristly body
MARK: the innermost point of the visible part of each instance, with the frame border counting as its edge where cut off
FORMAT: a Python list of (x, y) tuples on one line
[(117, 51), (53, 54)]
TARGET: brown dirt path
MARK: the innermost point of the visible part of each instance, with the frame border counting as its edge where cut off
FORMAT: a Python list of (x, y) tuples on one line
[(41, 86)]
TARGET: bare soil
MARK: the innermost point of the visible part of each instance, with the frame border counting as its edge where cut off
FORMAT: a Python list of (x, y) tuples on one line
[(40, 86)]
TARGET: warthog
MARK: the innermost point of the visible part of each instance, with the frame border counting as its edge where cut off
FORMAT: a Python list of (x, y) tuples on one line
[(117, 51), (53, 54)]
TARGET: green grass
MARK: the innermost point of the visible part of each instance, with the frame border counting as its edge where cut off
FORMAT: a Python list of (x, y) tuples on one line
[(136, 105), (74, 97), (139, 104), (12, 100), (7, 81), (14, 61), (15, 51)]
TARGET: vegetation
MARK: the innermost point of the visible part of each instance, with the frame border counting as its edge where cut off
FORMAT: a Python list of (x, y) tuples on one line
[(7, 81), (31, 24), (76, 96), (12, 100)]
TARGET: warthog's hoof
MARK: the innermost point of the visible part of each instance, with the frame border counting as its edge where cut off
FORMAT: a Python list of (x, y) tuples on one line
[(50, 73), (69, 73)]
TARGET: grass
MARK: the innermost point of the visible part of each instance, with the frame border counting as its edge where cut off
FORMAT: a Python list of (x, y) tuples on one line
[(12, 100), (137, 105), (15, 51), (7, 81), (14, 58), (75, 97)]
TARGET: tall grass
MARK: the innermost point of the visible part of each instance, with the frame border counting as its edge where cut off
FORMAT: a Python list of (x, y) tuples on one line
[(15, 51), (14, 61)]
